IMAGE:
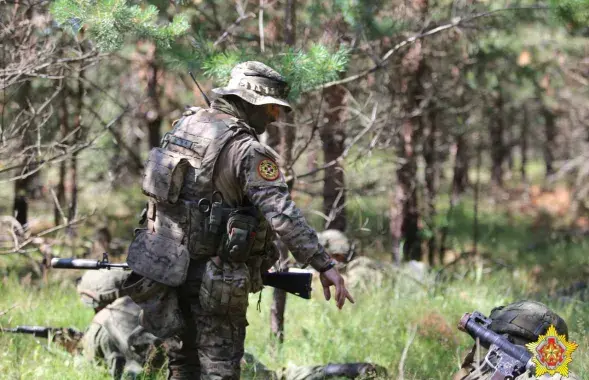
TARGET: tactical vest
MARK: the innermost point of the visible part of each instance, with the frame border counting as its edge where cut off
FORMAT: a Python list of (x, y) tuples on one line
[(184, 201)]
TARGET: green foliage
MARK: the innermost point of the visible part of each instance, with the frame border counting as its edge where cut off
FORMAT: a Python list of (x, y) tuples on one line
[(304, 70), (109, 22), (364, 18), (574, 12)]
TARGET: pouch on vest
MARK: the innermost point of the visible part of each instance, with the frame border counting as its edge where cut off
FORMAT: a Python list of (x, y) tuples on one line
[(164, 175), (241, 233), (225, 287), (158, 258)]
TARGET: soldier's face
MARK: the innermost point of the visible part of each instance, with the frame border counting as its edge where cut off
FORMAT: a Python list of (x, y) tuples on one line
[(273, 112)]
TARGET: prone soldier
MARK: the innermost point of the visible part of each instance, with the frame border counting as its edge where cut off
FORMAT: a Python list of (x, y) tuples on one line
[(520, 323), (115, 335)]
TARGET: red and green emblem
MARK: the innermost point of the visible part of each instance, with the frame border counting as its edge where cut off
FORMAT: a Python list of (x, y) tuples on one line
[(552, 353), (268, 170)]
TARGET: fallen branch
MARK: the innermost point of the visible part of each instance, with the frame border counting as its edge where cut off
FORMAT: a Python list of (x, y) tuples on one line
[(18, 248), (7, 310), (412, 332)]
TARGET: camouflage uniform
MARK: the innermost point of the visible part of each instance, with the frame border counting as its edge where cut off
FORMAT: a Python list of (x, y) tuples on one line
[(213, 158), (521, 322), (115, 336)]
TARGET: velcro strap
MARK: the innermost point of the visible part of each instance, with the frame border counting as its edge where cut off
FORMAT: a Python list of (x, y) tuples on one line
[(106, 298), (172, 139), (226, 292)]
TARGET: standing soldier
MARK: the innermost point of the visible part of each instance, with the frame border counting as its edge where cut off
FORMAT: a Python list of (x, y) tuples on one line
[(217, 198)]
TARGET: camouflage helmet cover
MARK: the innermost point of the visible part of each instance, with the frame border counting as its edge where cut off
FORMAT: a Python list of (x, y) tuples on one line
[(100, 288), (256, 83), (335, 242), (525, 321)]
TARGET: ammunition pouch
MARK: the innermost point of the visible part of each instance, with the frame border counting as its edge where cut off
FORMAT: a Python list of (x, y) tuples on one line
[(241, 233), (225, 288), (158, 258), (160, 313), (164, 175)]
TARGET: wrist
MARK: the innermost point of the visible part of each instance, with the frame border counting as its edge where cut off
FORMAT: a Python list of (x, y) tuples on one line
[(328, 266)]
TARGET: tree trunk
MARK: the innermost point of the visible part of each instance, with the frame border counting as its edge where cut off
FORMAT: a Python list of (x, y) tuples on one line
[(154, 115), (509, 137), (284, 139), (431, 180), (496, 132), (404, 215), (60, 193), (549, 137), (460, 180), (79, 136), (333, 135), (404, 223), (524, 143)]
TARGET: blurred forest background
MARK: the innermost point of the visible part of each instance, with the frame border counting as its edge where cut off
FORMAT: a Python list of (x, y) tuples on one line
[(450, 132)]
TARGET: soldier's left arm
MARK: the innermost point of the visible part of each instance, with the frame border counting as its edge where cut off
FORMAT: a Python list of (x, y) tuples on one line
[(264, 185)]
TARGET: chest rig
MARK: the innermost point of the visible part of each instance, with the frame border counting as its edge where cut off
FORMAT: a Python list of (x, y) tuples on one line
[(185, 207)]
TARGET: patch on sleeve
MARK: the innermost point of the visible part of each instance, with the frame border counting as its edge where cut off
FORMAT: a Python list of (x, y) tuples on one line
[(268, 170), (262, 170)]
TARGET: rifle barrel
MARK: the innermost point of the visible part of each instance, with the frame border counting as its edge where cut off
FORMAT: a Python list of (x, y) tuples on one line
[(85, 264)]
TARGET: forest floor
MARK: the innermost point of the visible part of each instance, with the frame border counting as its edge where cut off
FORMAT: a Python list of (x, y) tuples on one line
[(527, 247)]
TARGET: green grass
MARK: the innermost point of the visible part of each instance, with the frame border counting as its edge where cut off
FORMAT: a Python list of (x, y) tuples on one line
[(520, 259), (375, 329)]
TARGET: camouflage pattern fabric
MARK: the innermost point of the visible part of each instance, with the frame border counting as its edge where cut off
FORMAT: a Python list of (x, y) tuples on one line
[(212, 345), (116, 338), (225, 157), (99, 288), (257, 84), (335, 242)]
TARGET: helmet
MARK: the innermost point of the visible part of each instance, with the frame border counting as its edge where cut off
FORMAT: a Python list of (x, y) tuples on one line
[(256, 83), (525, 321), (101, 287), (335, 242)]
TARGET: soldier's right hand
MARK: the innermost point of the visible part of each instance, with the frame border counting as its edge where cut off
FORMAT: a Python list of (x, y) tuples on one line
[(332, 277)]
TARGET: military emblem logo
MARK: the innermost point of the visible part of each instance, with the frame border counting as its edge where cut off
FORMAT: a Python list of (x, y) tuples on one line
[(268, 170), (552, 353)]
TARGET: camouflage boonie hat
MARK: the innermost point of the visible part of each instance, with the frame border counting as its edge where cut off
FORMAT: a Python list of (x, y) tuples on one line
[(256, 83), (525, 321)]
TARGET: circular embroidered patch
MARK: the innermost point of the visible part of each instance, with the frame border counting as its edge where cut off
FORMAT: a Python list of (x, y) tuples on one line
[(268, 170)]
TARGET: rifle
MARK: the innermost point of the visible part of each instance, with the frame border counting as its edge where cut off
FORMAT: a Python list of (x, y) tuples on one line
[(298, 283), (66, 337), (509, 360), (353, 370)]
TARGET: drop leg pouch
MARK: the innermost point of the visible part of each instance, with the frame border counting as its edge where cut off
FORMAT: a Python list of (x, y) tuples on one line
[(225, 288)]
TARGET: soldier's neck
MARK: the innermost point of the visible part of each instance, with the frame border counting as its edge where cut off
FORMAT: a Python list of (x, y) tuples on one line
[(225, 106)]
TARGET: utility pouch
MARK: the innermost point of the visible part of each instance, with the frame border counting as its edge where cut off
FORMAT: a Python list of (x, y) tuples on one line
[(164, 175), (241, 233), (158, 258), (225, 287)]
